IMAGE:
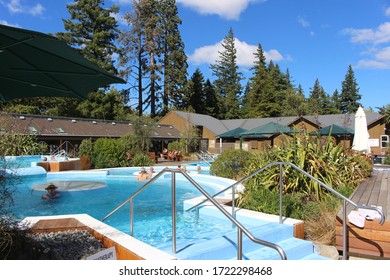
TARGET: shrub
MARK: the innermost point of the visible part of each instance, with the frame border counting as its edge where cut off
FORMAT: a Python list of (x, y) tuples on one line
[(108, 153), (141, 159), (177, 146), (230, 164), (267, 201), (86, 148)]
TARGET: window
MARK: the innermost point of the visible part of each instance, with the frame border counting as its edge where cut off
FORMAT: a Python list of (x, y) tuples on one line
[(385, 141)]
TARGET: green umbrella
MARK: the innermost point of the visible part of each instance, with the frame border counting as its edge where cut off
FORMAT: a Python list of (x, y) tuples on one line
[(333, 129), (268, 129), (34, 64)]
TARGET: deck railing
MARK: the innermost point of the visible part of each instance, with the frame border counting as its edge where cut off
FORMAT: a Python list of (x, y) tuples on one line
[(323, 185), (240, 228)]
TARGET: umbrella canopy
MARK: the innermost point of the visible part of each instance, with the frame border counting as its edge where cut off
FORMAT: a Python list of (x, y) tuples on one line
[(333, 129), (268, 129), (35, 64), (234, 133), (361, 138)]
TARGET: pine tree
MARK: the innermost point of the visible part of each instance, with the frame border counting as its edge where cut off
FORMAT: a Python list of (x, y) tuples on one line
[(320, 103), (93, 31), (161, 69), (261, 92), (294, 104), (174, 58), (336, 100), (153, 33), (349, 97), (314, 99), (134, 58), (211, 100), (228, 78), (197, 98)]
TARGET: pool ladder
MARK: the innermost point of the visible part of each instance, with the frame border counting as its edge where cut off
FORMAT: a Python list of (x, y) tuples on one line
[(240, 228)]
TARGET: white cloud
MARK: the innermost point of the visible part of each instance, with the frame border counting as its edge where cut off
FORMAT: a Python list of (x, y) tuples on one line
[(245, 54), (376, 41), (383, 54), (387, 12), (229, 9), (4, 22), (374, 36), (373, 64), (16, 7), (303, 22)]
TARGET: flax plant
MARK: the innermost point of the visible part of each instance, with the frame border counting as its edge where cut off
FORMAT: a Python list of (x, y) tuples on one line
[(323, 159)]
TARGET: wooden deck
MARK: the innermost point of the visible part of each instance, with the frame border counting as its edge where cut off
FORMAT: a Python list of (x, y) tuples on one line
[(373, 240)]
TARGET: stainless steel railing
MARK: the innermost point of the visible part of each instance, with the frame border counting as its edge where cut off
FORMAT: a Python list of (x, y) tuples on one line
[(281, 164), (240, 228)]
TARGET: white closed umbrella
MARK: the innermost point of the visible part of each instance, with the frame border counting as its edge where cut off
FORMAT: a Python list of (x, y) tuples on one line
[(361, 137)]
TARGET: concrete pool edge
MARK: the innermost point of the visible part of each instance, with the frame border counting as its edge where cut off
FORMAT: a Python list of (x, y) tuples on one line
[(208, 209), (126, 246)]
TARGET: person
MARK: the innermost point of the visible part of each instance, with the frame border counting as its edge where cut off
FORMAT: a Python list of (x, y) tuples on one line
[(142, 175), (184, 169), (52, 158), (199, 169), (151, 171), (51, 192), (44, 159), (179, 167)]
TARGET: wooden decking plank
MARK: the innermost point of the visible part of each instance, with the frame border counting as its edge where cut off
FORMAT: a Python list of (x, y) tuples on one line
[(374, 195), (383, 194), (57, 224), (364, 199)]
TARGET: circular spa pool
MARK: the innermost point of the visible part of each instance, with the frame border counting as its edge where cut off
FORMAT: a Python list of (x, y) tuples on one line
[(98, 193)]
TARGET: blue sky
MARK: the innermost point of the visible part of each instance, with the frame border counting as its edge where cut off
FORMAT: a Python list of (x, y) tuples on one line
[(314, 39)]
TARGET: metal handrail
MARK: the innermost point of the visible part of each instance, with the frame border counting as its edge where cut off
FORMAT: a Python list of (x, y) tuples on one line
[(345, 199), (59, 149), (240, 228)]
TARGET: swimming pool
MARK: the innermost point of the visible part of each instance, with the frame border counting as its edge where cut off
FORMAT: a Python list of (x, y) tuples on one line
[(102, 191)]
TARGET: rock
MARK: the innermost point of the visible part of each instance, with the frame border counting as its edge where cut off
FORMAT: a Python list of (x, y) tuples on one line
[(66, 245), (327, 251)]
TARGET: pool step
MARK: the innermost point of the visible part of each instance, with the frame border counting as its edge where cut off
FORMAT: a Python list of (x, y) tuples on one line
[(224, 247)]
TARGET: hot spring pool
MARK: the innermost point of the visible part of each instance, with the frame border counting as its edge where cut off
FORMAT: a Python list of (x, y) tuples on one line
[(103, 191)]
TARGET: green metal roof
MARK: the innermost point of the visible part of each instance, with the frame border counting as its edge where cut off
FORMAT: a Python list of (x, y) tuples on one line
[(269, 128), (333, 129)]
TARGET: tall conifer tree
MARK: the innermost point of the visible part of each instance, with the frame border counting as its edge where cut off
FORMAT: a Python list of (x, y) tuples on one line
[(228, 79), (155, 29), (174, 58), (197, 98), (261, 91), (349, 97), (93, 31)]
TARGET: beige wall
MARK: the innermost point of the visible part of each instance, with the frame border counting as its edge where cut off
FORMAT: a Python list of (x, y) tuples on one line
[(375, 130)]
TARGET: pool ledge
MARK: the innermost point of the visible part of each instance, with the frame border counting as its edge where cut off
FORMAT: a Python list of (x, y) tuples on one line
[(126, 247)]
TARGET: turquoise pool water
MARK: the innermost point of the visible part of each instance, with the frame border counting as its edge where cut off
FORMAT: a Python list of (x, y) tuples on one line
[(152, 208)]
